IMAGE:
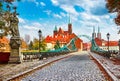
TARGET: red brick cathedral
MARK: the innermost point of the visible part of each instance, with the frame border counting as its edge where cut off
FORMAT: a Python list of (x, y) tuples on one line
[(63, 37), (103, 44)]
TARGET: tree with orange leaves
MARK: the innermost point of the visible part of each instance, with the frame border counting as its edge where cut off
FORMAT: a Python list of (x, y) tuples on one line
[(114, 6), (24, 44)]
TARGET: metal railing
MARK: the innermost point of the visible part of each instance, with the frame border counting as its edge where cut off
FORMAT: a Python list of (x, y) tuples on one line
[(29, 56)]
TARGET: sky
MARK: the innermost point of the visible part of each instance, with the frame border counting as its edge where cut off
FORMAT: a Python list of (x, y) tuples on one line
[(84, 14)]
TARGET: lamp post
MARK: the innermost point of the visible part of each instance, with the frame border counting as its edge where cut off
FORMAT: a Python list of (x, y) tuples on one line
[(108, 36), (40, 36)]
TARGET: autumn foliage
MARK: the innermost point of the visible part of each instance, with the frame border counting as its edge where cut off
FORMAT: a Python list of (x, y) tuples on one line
[(114, 6), (117, 19)]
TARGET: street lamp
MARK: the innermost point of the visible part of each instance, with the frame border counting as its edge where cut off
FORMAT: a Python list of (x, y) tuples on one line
[(108, 36), (40, 36)]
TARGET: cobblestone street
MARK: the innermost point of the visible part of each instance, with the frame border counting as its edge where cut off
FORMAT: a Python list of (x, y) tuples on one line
[(79, 67)]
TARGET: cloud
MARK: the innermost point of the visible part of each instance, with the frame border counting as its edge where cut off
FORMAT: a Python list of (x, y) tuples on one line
[(36, 24), (42, 4), (99, 10), (62, 14), (31, 28), (55, 2), (33, 1), (48, 12), (84, 15), (57, 16), (21, 20), (25, 24), (88, 13), (69, 9)]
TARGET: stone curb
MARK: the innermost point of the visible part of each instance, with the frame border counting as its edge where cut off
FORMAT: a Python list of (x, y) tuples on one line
[(105, 68), (39, 66)]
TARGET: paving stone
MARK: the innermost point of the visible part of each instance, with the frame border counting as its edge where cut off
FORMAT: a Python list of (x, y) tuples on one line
[(76, 68)]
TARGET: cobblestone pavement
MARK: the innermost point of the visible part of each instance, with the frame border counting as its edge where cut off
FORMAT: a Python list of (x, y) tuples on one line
[(76, 68), (109, 64), (9, 70)]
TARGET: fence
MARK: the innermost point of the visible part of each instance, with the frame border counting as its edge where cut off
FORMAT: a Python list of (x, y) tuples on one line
[(27, 56), (40, 55)]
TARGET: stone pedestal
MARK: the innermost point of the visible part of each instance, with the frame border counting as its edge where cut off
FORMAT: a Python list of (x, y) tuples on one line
[(15, 55)]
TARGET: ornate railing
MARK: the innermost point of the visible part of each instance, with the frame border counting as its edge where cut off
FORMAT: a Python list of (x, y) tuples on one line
[(95, 48), (68, 48), (29, 56)]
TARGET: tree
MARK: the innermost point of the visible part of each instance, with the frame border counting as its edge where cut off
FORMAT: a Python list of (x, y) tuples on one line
[(114, 6), (10, 1), (57, 45), (36, 44), (117, 19), (43, 45), (31, 45), (0, 7), (24, 44)]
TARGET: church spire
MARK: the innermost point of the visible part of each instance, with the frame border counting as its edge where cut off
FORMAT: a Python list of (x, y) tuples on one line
[(99, 34), (69, 26), (93, 34), (55, 28), (93, 29), (98, 29), (55, 31), (69, 19)]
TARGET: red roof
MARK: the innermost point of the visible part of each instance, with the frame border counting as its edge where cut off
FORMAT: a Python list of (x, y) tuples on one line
[(63, 37), (112, 43), (100, 41)]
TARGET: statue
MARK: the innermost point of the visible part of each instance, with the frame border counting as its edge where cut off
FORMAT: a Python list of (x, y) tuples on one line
[(15, 41), (14, 25), (9, 26)]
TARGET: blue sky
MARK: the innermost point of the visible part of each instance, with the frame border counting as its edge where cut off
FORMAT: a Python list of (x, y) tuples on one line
[(85, 14)]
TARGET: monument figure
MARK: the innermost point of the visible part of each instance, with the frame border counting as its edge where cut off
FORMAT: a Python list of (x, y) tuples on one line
[(9, 26), (15, 41), (14, 25)]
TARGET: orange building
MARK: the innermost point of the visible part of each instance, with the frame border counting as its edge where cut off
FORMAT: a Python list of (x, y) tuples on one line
[(113, 45), (63, 37), (4, 44), (87, 46)]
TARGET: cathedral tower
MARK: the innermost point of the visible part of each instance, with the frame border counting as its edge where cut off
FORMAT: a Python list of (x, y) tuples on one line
[(93, 34), (69, 26), (99, 34), (55, 31)]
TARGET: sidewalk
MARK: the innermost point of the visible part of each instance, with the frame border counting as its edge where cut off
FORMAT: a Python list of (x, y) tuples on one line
[(112, 66), (8, 71)]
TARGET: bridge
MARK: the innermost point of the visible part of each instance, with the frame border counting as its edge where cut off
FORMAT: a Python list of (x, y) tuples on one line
[(86, 36), (94, 46), (69, 47)]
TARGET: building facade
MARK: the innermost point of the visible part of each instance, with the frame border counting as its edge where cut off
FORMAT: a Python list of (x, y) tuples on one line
[(63, 37), (103, 44)]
